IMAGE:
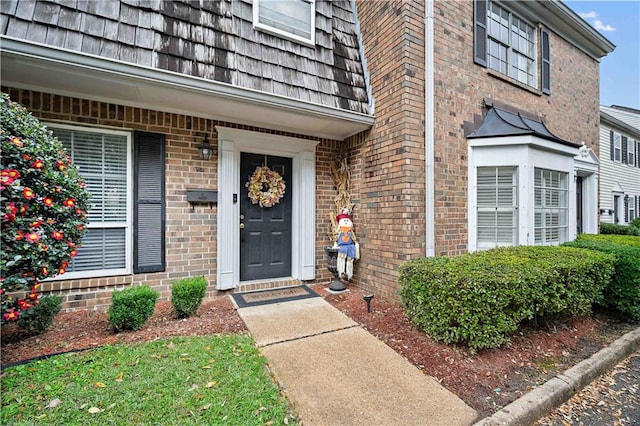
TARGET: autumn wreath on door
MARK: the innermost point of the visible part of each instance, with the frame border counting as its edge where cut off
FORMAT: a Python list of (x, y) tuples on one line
[(266, 187)]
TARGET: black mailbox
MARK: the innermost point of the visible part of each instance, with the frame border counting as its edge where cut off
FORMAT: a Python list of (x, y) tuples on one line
[(202, 196)]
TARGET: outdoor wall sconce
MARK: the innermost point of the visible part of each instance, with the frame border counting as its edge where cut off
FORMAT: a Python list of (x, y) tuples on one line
[(206, 150)]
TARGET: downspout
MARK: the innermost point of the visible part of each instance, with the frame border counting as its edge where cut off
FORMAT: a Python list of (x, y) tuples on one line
[(429, 136)]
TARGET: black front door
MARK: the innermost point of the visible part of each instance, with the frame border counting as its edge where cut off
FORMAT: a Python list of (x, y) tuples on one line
[(265, 234)]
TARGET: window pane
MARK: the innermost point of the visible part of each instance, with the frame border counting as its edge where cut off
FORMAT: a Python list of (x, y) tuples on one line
[(102, 249), (512, 45), (102, 160), (497, 203), (292, 16), (551, 206)]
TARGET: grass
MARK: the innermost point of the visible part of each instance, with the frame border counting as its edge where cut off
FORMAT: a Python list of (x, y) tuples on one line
[(199, 380)]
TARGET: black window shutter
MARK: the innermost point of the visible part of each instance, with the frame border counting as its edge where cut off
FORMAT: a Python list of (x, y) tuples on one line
[(638, 154), (480, 32), (546, 62), (611, 145), (625, 155), (149, 203)]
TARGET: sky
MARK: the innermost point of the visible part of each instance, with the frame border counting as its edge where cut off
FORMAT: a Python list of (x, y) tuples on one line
[(619, 22)]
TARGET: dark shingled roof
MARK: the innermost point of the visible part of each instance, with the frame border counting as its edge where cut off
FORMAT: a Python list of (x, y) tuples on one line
[(214, 40), (498, 123)]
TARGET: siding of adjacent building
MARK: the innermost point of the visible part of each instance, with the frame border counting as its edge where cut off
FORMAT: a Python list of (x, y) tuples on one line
[(616, 175)]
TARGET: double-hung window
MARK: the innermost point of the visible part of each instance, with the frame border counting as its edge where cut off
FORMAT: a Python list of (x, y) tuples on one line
[(293, 19), (551, 192), (125, 175), (497, 206), (104, 160), (631, 154), (511, 45), (617, 147), (506, 43)]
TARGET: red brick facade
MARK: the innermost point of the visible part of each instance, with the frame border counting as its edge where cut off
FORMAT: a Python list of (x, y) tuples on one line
[(390, 178), (191, 246), (387, 162)]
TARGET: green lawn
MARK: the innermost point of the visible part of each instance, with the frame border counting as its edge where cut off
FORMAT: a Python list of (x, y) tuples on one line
[(200, 380)]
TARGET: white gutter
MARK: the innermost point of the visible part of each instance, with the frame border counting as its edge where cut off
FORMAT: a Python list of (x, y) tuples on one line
[(429, 136)]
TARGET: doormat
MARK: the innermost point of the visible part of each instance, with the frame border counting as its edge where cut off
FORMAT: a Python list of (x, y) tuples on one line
[(266, 297)]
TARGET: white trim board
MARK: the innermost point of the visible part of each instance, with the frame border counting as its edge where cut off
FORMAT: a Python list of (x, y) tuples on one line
[(231, 142)]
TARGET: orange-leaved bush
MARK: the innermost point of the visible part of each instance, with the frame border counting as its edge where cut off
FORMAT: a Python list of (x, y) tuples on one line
[(43, 208)]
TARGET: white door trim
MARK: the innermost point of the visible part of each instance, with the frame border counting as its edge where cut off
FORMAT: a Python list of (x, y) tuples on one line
[(231, 143)]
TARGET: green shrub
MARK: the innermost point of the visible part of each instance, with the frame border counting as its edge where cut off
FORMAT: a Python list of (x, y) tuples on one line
[(478, 299), (187, 295), (614, 228), (132, 307), (635, 222), (41, 316), (627, 240), (622, 294)]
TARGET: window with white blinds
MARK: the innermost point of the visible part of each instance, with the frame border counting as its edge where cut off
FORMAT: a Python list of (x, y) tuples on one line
[(551, 206), (497, 206), (290, 18), (103, 159)]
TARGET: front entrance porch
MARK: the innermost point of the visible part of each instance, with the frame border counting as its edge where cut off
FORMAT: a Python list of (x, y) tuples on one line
[(246, 252)]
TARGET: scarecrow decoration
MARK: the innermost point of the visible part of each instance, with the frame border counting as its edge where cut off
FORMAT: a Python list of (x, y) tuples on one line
[(348, 247)]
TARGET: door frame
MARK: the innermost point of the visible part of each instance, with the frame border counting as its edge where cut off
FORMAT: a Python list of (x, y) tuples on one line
[(231, 142)]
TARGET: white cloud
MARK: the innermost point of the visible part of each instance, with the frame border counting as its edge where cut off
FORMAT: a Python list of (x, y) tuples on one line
[(588, 15), (598, 25)]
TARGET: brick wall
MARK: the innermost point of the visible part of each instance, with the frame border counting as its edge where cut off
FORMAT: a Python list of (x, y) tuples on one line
[(571, 111), (191, 248), (389, 160)]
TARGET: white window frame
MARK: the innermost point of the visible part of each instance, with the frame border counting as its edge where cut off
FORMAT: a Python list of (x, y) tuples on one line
[(617, 147), (631, 152), (513, 51), (310, 41), (544, 192), (128, 224), (527, 153), (499, 208), (631, 208)]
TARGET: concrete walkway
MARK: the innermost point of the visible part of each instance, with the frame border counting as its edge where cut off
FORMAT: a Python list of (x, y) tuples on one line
[(336, 373)]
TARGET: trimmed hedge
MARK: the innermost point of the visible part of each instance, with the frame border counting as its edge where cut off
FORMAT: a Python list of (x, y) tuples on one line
[(187, 295), (622, 294), (478, 299), (132, 307), (617, 229)]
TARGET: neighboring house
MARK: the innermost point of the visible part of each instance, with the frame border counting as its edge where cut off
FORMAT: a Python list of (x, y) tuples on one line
[(619, 164), (486, 117)]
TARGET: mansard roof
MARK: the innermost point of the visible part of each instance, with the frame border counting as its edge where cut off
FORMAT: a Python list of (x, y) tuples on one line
[(211, 40)]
